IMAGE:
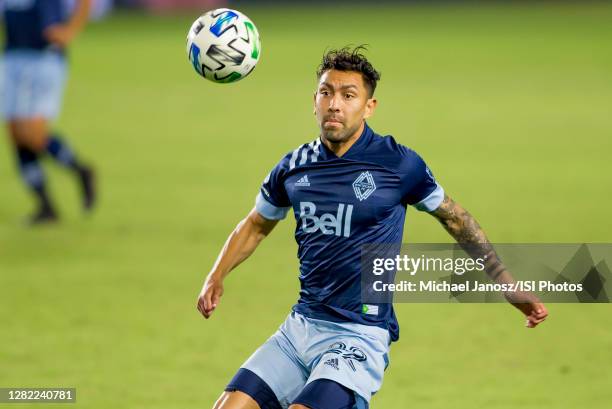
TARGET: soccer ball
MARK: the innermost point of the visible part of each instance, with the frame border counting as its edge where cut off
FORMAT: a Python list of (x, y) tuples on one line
[(223, 45)]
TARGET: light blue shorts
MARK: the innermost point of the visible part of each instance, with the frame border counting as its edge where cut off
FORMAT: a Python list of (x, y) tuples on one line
[(305, 349), (32, 84)]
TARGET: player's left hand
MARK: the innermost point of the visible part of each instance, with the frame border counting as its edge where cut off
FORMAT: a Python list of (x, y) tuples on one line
[(60, 34), (529, 305), (537, 315)]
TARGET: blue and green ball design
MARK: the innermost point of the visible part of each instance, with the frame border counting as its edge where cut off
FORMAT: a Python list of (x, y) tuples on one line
[(223, 46)]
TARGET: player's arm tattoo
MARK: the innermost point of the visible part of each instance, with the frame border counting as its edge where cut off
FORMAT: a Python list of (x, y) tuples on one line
[(467, 232)]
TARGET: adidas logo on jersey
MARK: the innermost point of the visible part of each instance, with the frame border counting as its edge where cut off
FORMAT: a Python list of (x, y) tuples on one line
[(303, 181), (338, 224)]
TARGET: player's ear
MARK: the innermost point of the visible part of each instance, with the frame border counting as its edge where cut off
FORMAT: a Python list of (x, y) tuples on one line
[(370, 107), (314, 102)]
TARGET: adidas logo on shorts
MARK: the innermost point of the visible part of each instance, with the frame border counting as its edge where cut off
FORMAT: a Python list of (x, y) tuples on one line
[(333, 362)]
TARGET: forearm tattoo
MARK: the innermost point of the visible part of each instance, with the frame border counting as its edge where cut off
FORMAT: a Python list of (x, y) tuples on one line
[(468, 233)]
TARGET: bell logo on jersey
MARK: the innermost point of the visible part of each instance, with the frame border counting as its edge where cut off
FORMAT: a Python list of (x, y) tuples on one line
[(338, 224)]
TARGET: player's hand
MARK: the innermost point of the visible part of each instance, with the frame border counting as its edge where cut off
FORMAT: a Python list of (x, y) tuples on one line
[(60, 34), (536, 314), (529, 305), (209, 296)]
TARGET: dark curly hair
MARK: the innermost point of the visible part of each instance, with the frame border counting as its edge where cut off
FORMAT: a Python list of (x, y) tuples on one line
[(347, 59)]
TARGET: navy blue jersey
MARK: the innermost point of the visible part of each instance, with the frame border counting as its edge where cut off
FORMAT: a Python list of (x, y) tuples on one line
[(339, 205), (26, 20)]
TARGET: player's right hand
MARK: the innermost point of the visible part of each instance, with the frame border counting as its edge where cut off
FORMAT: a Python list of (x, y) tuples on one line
[(209, 296), (60, 34)]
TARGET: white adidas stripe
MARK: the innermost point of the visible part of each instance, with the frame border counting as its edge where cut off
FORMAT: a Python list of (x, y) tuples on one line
[(315, 150), (311, 149), (294, 156), (305, 154)]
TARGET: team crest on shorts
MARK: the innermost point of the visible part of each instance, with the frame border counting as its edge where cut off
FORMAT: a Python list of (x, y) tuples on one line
[(364, 186), (349, 354)]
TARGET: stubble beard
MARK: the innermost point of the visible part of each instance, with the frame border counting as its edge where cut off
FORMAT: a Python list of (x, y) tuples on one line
[(338, 136)]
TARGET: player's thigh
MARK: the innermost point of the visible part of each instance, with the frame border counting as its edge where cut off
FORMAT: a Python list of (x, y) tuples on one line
[(273, 375), (355, 357), (235, 400), (31, 132)]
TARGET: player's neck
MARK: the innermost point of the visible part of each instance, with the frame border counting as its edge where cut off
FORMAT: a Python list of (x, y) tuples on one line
[(340, 148)]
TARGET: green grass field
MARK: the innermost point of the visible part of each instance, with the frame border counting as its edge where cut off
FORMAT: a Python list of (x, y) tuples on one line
[(510, 106)]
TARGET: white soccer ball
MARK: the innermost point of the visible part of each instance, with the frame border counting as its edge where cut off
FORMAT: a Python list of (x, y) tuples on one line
[(223, 45)]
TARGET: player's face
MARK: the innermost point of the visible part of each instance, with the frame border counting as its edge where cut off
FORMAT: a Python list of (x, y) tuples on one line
[(342, 104)]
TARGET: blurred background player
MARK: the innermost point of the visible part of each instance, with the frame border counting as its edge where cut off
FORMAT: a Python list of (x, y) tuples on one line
[(37, 33)]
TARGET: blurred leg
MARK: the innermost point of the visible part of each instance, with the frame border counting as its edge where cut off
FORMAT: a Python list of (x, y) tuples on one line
[(59, 150), (26, 139), (32, 84), (33, 134)]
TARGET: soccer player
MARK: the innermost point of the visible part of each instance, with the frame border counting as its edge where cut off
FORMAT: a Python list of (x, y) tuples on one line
[(346, 188), (37, 33)]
